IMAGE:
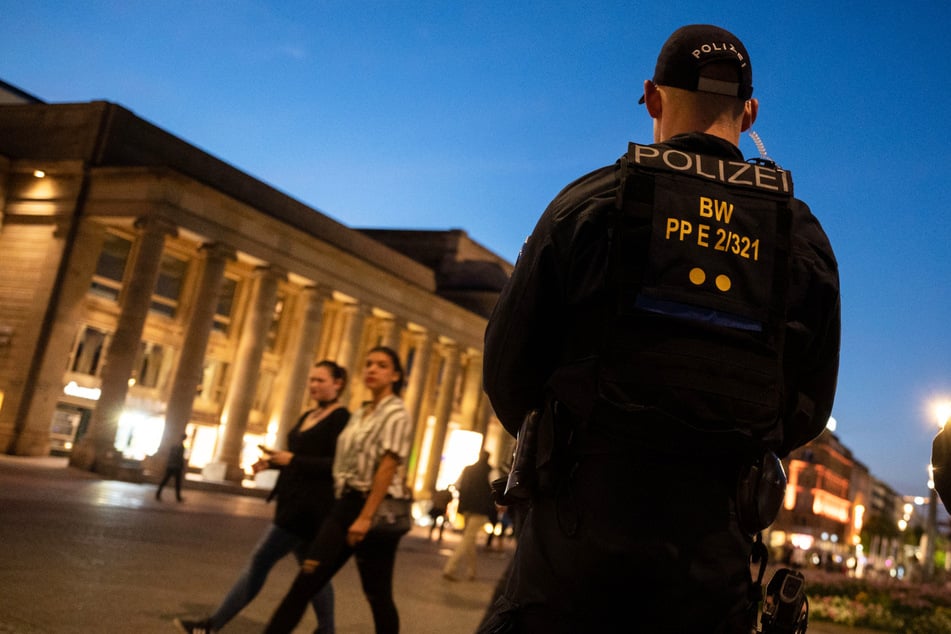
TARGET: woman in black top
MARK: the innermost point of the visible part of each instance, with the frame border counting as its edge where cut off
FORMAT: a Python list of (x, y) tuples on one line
[(304, 493)]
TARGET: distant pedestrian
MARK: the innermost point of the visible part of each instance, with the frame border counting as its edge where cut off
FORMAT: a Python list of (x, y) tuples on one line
[(476, 505), (174, 468), (437, 512), (501, 523)]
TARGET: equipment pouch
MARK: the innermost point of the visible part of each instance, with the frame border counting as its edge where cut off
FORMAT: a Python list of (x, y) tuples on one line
[(523, 476), (759, 493), (785, 607)]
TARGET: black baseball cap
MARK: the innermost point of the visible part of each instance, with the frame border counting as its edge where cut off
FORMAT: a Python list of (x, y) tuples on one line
[(690, 48)]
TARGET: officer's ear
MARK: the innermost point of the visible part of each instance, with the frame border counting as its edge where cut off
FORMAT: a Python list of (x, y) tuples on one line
[(652, 99), (750, 110)]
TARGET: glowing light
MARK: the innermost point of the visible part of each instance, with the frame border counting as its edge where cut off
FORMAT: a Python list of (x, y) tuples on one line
[(461, 450), (801, 540), (828, 505), (139, 434), (832, 424), (39, 173), (74, 389), (942, 412)]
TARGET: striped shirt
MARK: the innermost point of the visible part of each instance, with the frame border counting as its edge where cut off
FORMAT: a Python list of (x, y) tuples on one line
[(366, 439)]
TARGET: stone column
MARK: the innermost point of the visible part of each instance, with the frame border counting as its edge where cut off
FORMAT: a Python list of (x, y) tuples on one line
[(33, 438), (443, 414), (414, 393), (469, 409), (247, 363), (484, 414), (414, 384), (350, 355), (96, 450), (390, 334), (188, 372), (303, 358)]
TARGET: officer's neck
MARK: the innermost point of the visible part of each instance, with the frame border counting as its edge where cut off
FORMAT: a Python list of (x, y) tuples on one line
[(727, 131)]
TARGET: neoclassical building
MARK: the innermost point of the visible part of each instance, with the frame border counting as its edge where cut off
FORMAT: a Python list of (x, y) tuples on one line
[(150, 290)]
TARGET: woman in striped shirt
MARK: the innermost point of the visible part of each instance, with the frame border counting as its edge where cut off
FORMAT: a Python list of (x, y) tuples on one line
[(370, 464)]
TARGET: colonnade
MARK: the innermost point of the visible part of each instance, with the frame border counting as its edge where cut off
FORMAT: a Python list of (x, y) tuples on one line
[(442, 386)]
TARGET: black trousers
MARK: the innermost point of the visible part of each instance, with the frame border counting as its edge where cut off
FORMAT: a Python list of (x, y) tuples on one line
[(375, 556), (172, 472), (648, 544)]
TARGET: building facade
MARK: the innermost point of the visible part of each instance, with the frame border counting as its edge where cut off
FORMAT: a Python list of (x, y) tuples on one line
[(150, 290)]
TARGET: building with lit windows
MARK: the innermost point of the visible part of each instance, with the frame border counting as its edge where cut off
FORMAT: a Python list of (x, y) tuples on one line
[(820, 521), (150, 289)]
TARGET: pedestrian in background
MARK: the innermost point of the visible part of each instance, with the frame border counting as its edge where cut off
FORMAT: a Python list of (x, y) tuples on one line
[(477, 506), (437, 512), (174, 468), (303, 494)]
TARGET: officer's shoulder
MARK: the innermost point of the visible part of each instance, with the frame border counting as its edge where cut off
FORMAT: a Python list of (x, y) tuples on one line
[(601, 178), (594, 186)]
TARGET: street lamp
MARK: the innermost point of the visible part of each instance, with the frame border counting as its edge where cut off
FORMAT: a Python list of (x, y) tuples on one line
[(942, 412)]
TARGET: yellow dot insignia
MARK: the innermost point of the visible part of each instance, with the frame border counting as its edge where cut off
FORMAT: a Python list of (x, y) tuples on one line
[(697, 276), (723, 283)]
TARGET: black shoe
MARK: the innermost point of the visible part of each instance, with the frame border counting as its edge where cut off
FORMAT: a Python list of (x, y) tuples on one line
[(194, 627)]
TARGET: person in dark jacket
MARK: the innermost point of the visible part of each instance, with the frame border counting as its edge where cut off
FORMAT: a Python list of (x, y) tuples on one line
[(174, 468), (304, 494), (476, 505), (634, 518)]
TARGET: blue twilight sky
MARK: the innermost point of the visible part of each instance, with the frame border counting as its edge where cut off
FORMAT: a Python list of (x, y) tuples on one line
[(473, 115)]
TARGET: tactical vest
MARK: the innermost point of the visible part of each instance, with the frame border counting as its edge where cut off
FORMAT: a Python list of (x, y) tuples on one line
[(697, 271)]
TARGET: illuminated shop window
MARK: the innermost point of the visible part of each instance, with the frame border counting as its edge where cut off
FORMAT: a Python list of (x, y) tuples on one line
[(88, 351), (168, 287), (107, 281), (226, 297)]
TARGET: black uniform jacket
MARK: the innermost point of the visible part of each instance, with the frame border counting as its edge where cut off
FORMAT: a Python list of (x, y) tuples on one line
[(563, 264)]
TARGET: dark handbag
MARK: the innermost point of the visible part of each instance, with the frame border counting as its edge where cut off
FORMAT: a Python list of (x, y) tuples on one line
[(393, 516)]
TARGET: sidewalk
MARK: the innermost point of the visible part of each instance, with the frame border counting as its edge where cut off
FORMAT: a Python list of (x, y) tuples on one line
[(83, 555)]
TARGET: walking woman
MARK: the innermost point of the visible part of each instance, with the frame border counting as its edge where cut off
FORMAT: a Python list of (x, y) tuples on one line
[(370, 465), (304, 493)]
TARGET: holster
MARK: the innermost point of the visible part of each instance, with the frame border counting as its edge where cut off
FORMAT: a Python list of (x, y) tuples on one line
[(523, 477), (759, 493)]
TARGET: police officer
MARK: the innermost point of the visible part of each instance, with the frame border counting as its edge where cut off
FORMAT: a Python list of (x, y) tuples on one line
[(674, 318)]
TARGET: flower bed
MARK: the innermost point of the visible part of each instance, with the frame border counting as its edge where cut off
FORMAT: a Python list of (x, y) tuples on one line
[(889, 606)]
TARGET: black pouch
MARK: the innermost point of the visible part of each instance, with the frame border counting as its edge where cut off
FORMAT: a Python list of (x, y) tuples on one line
[(785, 607), (759, 493), (523, 477)]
